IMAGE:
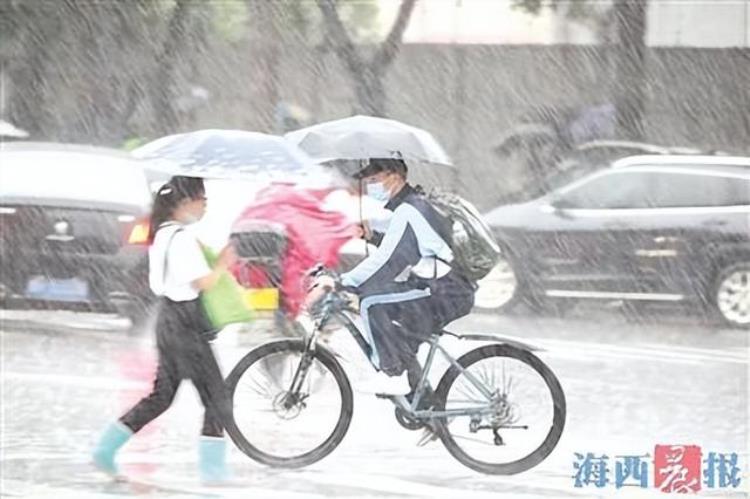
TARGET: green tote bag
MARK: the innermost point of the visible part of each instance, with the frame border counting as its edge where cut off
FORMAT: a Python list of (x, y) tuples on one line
[(224, 303)]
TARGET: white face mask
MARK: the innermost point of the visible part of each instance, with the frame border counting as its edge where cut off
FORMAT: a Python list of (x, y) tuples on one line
[(190, 218), (377, 191), (192, 213)]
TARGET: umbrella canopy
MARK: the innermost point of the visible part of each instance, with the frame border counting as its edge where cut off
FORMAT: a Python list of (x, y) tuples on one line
[(363, 137), (228, 154)]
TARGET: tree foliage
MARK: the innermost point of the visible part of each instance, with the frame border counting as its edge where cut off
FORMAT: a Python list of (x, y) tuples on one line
[(367, 73)]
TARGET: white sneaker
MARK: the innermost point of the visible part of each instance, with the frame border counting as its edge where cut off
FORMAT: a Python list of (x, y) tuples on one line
[(383, 384)]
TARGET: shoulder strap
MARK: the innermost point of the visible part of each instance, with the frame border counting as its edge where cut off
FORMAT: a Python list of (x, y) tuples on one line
[(166, 253)]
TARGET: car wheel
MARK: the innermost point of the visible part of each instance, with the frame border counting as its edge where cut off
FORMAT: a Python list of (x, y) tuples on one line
[(732, 295), (499, 290)]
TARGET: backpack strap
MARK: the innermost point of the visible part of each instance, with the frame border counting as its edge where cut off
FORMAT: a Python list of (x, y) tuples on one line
[(166, 252), (418, 189)]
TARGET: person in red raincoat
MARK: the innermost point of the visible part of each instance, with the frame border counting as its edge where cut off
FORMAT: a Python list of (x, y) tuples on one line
[(314, 235)]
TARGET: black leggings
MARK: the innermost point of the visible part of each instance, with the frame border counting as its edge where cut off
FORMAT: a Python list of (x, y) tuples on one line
[(183, 354)]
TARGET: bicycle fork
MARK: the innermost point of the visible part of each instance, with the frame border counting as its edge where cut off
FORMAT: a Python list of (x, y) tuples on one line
[(294, 395)]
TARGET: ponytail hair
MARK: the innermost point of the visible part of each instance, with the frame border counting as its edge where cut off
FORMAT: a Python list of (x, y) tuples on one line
[(168, 198)]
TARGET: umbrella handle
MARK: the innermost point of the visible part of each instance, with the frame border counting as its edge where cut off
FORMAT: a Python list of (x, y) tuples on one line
[(362, 219)]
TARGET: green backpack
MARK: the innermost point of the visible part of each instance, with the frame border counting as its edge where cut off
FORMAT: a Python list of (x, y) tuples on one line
[(474, 247)]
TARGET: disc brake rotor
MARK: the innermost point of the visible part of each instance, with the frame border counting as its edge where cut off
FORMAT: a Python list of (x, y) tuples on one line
[(284, 409)]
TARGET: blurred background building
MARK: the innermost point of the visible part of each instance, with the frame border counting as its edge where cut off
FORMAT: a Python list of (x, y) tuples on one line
[(110, 73)]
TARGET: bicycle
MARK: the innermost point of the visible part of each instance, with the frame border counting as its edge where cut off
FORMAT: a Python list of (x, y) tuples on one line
[(294, 371)]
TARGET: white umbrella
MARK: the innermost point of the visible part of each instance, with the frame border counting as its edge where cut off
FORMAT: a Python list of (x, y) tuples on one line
[(363, 137), (228, 154)]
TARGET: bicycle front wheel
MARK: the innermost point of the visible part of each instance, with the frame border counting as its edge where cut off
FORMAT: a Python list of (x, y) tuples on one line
[(505, 410), (281, 427)]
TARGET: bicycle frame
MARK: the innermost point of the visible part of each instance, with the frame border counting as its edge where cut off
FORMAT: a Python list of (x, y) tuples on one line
[(334, 308), (412, 410)]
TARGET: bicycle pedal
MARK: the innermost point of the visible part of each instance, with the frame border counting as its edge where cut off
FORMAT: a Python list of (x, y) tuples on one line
[(387, 396), (428, 435)]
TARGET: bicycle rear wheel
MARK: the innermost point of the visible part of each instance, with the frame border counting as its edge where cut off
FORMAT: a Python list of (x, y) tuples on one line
[(283, 429), (524, 409)]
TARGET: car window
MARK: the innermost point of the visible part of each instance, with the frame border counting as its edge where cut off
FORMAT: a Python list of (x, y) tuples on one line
[(569, 171), (615, 190), (683, 189)]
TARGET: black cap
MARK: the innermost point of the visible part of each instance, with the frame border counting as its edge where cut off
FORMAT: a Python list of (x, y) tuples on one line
[(377, 165)]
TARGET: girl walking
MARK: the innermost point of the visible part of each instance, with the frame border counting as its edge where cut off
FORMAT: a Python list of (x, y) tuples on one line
[(178, 272)]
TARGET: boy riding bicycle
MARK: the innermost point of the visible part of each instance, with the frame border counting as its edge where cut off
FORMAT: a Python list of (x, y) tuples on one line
[(408, 287)]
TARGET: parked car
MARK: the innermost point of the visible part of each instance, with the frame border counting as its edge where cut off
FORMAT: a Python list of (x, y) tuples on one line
[(666, 228), (74, 225)]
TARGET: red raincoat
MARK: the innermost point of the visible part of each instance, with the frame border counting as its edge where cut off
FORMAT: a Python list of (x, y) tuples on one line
[(314, 235)]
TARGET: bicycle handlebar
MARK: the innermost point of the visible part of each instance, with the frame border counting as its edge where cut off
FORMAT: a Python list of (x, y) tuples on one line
[(334, 299), (320, 269)]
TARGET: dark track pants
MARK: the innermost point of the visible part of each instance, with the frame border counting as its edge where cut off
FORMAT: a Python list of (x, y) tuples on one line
[(399, 316), (183, 354)]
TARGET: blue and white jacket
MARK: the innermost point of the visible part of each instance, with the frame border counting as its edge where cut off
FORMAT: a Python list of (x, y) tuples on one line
[(416, 241)]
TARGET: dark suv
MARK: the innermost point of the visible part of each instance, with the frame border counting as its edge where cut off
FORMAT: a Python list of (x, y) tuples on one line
[(666, 228)]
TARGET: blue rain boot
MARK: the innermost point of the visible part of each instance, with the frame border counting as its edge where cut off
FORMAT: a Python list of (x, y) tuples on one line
[(212, 455), (113, 438)]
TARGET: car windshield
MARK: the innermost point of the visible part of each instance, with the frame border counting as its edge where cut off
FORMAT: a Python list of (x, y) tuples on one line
[(72, 175)]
